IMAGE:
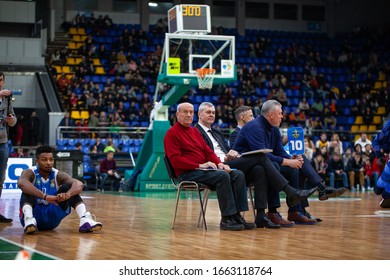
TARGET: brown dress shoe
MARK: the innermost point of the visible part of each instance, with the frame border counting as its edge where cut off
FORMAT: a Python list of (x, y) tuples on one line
[(276, 218), (300, 219)]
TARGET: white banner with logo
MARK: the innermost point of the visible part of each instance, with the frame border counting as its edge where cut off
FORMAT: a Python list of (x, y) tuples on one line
[(15, 167)]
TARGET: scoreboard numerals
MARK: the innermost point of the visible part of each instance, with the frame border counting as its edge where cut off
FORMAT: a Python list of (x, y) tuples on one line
[(191, 11)]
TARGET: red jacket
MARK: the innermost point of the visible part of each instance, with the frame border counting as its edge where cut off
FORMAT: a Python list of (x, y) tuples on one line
[(186, 149)]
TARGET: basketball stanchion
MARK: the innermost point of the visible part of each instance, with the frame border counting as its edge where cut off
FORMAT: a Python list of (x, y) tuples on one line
[(205, 77)]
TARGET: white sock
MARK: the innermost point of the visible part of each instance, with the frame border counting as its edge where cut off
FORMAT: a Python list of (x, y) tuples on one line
[(81, 210), (27, 211)]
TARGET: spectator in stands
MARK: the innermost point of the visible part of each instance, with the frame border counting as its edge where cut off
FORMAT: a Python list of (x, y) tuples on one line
[(73, 101), (243, 114), (368, 116), (317, 107), (325, 154), (363, 140), (335, 145), (115, 129), (323, 141), (34, 129), (293, 118), (93, 121), (372, 172), (21, 153), (19, 130), (99, 146), (309, 152), (68, 122), (53, 72), (344, 135), (330, 120), (347, 155), (282, 97), (301, 118), (320, 165), (63, 83), (55, 58), (355, 169), (304, 106), (369, 152), (110, 147), (336, 169), (82, 128), (64, 53), (78, 146), (108, 169)]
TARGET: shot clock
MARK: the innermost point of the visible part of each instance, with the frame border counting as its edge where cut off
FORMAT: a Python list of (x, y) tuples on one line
[(189, 19)]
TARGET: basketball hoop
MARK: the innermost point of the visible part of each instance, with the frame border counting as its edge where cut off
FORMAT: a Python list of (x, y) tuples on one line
[(205, 77)]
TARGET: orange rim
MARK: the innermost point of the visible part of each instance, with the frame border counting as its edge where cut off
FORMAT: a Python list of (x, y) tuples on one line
[(205, 71)]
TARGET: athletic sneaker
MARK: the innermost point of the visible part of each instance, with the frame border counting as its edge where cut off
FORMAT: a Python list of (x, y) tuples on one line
[(30, 225), (88, 223)]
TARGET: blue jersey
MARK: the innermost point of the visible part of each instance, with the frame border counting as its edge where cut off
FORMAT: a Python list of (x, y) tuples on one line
[(47, 215)]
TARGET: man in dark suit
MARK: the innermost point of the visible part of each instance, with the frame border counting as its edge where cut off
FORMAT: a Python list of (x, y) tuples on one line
[(243, 114), (254, 167)]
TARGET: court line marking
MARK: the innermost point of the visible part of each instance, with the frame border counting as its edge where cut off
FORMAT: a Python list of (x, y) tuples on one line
[(30, 249)]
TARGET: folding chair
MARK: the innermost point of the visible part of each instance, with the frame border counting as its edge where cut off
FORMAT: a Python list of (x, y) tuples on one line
[(188, 186)]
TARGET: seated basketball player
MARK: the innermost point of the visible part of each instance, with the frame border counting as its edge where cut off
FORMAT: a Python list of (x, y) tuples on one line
[(48, 195)]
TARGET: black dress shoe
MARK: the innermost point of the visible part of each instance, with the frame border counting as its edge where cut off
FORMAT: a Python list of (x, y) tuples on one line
[(329, 192), (5, 220), (230, 224), (265, 222), (309, 216), (239, 219), (293, 200)]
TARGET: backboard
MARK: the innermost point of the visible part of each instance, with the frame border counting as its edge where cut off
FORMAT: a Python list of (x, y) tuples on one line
[(184, 53)]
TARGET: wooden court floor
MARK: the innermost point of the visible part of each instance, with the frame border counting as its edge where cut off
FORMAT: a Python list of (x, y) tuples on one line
[(138, 227)]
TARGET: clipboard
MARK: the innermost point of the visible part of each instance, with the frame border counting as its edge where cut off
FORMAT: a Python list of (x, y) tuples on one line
[(212, 169), (262, 151)]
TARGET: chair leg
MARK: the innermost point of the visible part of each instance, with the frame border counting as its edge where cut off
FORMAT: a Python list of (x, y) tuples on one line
[(203, 205), (97, 183), (252, 202), (177, 204)]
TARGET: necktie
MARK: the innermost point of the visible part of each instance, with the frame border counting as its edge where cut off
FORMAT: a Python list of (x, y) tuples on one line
[(220, 141)]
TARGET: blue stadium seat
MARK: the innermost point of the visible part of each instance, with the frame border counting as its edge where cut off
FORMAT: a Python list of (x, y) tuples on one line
[(137, 142), (92, 142), (84, 142), (85, 150), (62, 142), (127, 142), (72, 142), (115, 141)]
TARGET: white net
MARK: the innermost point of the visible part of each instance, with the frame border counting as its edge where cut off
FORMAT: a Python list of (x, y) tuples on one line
[(205, 77)]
